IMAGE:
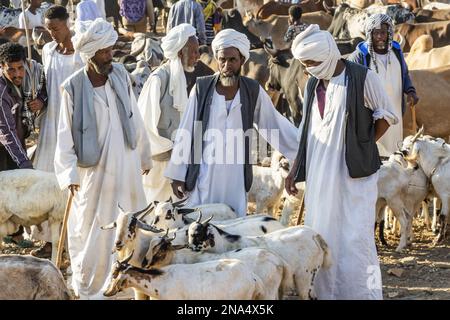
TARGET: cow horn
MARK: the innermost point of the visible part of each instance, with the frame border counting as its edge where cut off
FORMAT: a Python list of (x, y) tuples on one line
[(199, 217), (328, 9), (136, 214), (205, 223)]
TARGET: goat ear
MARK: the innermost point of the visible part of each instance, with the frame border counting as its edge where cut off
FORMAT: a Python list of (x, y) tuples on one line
[(110, 226), (180, 246), (185, 210), (146, 227)]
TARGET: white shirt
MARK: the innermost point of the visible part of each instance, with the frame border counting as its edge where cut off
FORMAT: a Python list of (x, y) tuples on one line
[(34, 20)]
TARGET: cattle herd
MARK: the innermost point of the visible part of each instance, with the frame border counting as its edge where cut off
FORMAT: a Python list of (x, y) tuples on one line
[(169, 251)]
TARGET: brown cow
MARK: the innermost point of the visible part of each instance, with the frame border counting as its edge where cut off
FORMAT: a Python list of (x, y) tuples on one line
[(423, 15), (282, 9), (433, 109), (409, 32), (276, 26)]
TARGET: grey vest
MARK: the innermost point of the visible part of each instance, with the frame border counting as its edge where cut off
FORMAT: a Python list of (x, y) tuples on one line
[(205, 86), (169, 120), (361, 152), (84, 125)]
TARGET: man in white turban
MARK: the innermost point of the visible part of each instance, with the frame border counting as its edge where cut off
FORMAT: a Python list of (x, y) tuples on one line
[(162, 101), (211, 162), (345, 111), (383, 55), (101, 152)]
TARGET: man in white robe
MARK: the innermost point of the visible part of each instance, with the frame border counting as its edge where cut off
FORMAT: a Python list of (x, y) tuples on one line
[(338, 158), (99, 158), (220, 171), (59, 62), (161, 103), (383, 55)]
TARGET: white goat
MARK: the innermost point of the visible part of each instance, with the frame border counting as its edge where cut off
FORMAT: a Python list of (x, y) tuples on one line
[(268, 184), (403, 189), (30, 278), (270, 268), (30, 197), (225, 279), (170, 215), (433, 156), (292, 204), (301, 247)]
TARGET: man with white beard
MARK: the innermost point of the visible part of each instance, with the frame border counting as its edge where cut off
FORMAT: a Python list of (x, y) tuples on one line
[(162, 101), (211, 162), (345, 111), (101, 152)]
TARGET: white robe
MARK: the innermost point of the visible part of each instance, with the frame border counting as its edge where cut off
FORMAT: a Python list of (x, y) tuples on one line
[(156, 186), (116, 179), (222, 181), (338, 207), (57, 68), (391, 77)]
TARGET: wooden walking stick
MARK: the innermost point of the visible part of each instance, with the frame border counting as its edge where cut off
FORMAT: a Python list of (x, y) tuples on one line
[(62, 234), (413, 115), (300, 210), (27, 35)]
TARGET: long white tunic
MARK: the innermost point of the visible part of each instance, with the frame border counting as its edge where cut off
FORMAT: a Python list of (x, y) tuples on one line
[(391, 77), (338, 207), (156, 186), (57, 68), (115, 180), (221, 177)]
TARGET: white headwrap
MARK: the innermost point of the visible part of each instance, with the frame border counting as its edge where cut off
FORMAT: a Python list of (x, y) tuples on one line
[(231, 38), (171, 44), (317, 45), (91, 36)]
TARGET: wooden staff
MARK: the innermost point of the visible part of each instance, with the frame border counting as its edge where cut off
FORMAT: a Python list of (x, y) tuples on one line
[(27, 35), (413, 115), (300, 210), (62, 234)]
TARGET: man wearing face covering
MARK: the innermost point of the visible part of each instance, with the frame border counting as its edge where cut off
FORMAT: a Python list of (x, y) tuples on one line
[(345, 111), (384, 56), (102, 151)]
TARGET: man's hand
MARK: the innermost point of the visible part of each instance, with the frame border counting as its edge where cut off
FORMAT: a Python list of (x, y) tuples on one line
[(289, 183), (179, 188), (145, 172), (412, 99), (74, 188), (35, 105)]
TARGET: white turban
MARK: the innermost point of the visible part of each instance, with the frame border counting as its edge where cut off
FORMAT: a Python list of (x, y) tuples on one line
[(171, 44), (231, 38), (317, 45), (91, 36)]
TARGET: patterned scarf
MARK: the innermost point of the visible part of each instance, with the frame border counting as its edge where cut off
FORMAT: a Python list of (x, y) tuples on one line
[(374, 22), (209, 7)]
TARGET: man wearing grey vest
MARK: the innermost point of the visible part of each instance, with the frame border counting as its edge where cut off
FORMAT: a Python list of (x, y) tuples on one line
[(161, 103), (345, 112), (102, 151), (210, 162)]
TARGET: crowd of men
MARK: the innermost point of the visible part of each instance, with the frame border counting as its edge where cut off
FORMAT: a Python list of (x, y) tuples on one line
[(110, 148)]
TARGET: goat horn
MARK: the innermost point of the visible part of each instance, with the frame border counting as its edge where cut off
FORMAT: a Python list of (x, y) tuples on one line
[(205, 223), (179, 203), (142, 211), (417, 135), (199, 217), (120, 208), (173, 238), (146, 213), (127, 259)]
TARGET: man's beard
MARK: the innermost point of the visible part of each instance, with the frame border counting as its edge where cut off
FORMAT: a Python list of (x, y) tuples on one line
[(230, 81), (184, 61), (104, 69)]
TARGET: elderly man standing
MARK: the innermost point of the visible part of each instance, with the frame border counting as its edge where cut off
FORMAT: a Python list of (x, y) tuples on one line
[(60, 62), (188, 11), (162, 101), (101, 152), (345, 112), (383, 55), (210, 162)]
